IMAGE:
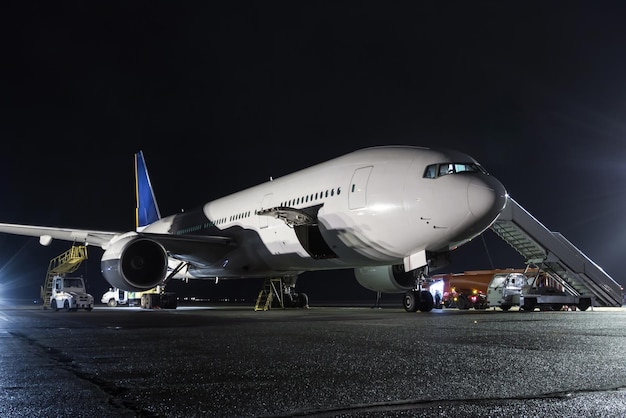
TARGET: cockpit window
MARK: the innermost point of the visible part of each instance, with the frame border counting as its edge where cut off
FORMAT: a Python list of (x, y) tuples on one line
[(431, 171), (438, 170)]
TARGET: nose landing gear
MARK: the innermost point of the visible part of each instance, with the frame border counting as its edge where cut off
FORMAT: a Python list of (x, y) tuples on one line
[(418, 299)]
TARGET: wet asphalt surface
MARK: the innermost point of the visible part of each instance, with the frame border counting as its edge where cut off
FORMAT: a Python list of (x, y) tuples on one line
[(324, 361)]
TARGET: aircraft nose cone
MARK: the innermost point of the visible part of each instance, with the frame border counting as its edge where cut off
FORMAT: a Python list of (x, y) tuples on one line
[(486, 198)]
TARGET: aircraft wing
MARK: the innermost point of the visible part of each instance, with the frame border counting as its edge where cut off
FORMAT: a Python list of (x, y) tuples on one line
[(199, 249), (46, 234)]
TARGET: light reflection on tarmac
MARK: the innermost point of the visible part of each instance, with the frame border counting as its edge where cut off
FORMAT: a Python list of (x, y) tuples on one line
[(230, 361)]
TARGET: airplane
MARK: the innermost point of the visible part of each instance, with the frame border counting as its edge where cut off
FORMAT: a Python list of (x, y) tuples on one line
[(392, 213)]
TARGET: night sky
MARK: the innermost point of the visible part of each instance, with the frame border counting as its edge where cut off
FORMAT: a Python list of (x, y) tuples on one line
[(222, 95)]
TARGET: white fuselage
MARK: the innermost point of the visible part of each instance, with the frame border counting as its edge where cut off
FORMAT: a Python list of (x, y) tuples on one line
[(372, 207)]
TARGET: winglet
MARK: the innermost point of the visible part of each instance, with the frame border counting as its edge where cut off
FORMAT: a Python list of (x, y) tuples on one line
[(147, 209)]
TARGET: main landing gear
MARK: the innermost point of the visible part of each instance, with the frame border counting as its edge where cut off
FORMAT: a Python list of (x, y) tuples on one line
[(280, 293), (418, 299)]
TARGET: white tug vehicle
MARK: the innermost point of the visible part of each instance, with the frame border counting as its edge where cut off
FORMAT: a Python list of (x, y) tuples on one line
[(69, 293)]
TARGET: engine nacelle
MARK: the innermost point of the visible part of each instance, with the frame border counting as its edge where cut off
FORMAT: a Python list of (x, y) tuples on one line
[(385, 279), (135, 264)]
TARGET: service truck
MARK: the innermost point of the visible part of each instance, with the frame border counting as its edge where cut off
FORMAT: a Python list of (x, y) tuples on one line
[(465, 290), (69, 293), (149, 299), (529, 292), (114, 297)]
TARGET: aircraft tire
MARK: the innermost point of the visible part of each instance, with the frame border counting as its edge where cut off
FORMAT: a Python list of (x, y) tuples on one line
[(426, 301), (410, 301)]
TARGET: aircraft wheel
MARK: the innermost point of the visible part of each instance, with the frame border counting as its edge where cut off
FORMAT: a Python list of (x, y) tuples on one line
[(426, 301), (410, 301)]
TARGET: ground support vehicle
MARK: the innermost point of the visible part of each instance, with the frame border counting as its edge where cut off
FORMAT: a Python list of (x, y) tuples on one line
[(464, 290), (150, 299), (469, 298), (69, 293), (59, 267), (159, 300), (541, 291), (114, 297)]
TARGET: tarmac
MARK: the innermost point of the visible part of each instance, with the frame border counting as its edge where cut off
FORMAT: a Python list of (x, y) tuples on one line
[(333, 361)]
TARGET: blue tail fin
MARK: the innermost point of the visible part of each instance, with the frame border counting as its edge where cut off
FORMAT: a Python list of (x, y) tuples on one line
[(147, 208)]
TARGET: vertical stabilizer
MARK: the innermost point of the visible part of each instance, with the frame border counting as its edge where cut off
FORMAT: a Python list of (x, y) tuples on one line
[(147, 208)]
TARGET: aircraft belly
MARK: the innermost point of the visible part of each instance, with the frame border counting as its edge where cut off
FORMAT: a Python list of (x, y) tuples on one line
[(355, 239)]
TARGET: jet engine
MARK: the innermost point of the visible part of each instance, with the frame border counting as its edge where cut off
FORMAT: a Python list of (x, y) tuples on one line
[(133, 263), (385, 279)]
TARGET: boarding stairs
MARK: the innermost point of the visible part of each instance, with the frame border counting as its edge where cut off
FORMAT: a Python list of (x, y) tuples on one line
[(272, 289), (68, 262), (553, 253)]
